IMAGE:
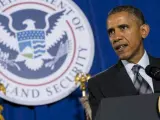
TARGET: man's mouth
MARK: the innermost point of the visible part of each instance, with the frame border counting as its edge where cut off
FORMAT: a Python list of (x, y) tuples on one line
[(120, 48)]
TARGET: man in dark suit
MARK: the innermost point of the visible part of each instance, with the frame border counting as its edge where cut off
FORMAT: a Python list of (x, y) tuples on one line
[(126, 29)]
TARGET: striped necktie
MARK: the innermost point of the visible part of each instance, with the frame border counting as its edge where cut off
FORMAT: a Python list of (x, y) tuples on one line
[(140, 83)]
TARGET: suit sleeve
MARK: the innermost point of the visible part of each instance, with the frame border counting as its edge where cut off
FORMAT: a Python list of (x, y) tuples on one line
[(94, 97)]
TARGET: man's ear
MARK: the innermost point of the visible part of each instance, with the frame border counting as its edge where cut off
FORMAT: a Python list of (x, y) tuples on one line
[(144, 29)]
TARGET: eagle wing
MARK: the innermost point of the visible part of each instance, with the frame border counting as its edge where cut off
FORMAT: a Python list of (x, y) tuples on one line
[(54, 32), (7, 36)]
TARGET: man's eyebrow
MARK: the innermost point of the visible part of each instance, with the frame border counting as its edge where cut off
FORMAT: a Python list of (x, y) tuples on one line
[(110, 29), (123, 25)]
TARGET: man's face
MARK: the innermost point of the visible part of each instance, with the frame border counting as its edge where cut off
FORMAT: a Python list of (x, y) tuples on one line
[(125, 35)]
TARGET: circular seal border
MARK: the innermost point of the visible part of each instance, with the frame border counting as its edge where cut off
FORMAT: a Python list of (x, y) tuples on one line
[(73, 88)]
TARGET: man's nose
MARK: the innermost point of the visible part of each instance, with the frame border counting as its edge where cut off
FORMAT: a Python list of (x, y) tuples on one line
[(117, 37)]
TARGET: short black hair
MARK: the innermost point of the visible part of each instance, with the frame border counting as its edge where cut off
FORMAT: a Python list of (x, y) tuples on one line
[(130, 9)]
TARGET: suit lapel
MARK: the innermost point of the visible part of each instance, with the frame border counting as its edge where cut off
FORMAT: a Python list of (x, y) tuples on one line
[(123, 84), (124, 80), (155, 62)]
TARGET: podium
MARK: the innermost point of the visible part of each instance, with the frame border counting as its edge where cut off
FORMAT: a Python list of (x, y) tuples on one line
[(139, 107)]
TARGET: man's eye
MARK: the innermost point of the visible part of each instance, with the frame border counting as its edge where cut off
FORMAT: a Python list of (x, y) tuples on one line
[(110, 32), (124, 27)]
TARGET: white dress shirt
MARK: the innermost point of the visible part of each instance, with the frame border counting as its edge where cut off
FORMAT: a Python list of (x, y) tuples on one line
[(144, 61)]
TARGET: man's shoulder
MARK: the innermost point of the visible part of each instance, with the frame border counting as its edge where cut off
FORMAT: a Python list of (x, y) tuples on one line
[(154, 61)]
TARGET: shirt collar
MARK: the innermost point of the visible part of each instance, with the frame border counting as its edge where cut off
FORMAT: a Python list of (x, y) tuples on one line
[(144, 61)]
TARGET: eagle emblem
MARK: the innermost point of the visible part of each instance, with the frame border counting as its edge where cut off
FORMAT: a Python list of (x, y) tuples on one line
[(32, 44)]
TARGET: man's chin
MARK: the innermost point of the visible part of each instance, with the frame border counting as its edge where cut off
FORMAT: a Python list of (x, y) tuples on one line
[(123, 57)]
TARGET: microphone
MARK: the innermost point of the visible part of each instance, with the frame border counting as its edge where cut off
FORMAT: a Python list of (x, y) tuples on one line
[(153, 72)]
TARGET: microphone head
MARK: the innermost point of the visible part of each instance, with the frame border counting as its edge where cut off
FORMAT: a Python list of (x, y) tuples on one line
[(153, 72), (148, 69)]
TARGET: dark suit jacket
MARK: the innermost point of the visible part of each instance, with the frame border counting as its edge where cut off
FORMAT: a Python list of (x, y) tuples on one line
[(114, 82)]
